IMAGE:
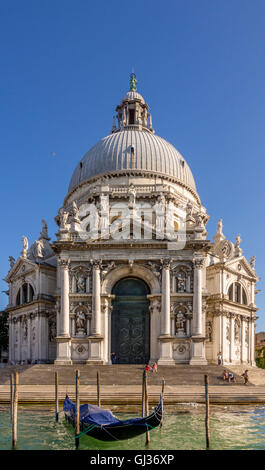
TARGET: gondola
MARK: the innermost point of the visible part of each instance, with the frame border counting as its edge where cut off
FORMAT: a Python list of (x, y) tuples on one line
[(104, 426)]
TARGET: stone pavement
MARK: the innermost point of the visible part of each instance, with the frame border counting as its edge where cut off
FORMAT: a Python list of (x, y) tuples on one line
[(121, 384)]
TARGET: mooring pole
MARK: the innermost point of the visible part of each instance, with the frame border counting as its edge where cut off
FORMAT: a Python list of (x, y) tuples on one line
[(143, 393), (11, 397), (147, 441), (77, 409), (56, 398), (162, 396), (98, 390), (15, 405), (207, 411)]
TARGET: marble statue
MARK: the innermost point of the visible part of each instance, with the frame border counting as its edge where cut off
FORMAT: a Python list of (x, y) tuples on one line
[(12, 261), (25, 247), (44, 232)]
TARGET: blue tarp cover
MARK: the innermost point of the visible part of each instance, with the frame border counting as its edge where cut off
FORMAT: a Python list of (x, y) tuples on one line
[(92, 414)]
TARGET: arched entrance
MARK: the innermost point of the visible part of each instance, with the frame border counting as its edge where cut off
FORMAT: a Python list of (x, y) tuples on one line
[(130, 321)]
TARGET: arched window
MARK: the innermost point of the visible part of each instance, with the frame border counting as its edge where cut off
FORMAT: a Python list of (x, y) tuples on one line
[(237, 293), (25, 294)]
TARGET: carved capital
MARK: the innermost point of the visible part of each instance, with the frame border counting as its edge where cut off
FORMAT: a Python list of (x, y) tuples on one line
[(64, 262), (198, 263), (166, 263)]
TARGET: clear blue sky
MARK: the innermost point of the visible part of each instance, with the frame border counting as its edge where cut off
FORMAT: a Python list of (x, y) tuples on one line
[(65, 65)]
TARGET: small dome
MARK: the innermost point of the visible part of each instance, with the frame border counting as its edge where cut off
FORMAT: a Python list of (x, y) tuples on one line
[(151, 153), (133, 95)]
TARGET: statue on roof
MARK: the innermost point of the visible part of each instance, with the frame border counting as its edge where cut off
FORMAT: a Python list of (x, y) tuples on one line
[(12, 261), (252, 261), (238, 250), (219, 227), (133, 82), (24, 251), (44, 232)]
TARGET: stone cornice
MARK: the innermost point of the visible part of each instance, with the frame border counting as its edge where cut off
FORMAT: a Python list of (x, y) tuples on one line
[(132, 172)]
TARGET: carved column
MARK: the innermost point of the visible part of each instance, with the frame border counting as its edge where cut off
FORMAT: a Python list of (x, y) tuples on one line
[(96, 300), (197, 297), (165, 330), (197, 344), (64, 264), (96, 340), (155, 327), (165, 339), (64, 339)]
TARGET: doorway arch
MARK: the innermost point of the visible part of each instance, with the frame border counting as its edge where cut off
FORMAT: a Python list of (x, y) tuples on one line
[(130, 321)]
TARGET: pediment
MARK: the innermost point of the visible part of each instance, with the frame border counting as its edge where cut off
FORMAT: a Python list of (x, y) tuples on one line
[(241, 266), (21, 267)]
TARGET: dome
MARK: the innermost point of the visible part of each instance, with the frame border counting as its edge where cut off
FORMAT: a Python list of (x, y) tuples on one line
[(151, 154), (133, 95)]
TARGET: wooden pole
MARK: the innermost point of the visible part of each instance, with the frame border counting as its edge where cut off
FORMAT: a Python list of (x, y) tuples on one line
[(56, 398), (143, 393), (11, 396), (15, 405), (147, 441), (207, 411), (77, 406), (98, 390), (162, 394)]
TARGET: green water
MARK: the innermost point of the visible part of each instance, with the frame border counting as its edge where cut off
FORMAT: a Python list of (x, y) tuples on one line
[(230, 428)]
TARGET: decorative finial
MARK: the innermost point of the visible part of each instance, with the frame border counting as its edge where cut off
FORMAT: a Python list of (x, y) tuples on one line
[(133, 82)]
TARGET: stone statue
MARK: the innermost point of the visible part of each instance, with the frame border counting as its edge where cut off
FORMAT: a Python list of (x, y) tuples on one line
[(12, 261), (181, 282), (252, 261), (75, 211), (189, 211), (44, 232), (199, 220), (25, 247), (38, 248), (238, 250), (62, 219), (80, 322), (132, 195), (219, 230), (81, 283), (180, 323), (238, 241)]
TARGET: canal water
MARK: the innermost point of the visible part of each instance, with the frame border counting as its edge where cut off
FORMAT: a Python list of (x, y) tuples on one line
[(231, 428)]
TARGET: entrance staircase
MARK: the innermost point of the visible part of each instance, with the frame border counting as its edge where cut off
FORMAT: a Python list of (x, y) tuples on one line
[(121, 385)]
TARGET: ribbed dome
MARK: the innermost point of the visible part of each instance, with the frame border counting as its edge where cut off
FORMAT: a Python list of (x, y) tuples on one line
[(151, 153), (133, 95)]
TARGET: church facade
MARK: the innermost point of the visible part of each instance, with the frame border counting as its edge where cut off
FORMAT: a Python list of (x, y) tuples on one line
[(131, 271)]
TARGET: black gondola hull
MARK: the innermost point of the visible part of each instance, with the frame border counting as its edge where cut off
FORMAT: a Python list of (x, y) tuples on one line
[(120, 431)]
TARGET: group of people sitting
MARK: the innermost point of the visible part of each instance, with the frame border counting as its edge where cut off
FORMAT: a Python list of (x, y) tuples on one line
[(152, 367), (229, 376)]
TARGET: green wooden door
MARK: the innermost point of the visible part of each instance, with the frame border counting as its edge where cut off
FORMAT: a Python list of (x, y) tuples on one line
[(130, 328)]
